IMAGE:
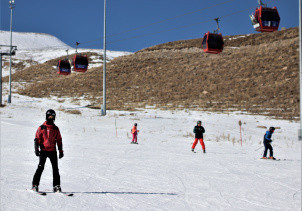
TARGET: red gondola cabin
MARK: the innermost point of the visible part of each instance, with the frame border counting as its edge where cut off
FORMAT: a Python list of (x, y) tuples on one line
[(212, 43), (63, 67), (80, 63), (266, 19)]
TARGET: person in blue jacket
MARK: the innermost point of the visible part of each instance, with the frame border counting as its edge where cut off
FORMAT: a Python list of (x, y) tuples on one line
[(267, 143)]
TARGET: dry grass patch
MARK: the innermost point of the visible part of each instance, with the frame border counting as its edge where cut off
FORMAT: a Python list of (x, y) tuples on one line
[(78, 112)]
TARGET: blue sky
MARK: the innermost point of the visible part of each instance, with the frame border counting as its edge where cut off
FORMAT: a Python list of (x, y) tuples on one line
[(82, 21)]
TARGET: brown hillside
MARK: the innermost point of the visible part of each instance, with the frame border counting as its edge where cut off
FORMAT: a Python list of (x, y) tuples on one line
[(256, 73), (231, 41)]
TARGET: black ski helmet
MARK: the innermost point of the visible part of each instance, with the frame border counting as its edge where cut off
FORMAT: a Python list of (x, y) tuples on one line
[(199, 122), (135, 124), (272, 129), (50, 112)]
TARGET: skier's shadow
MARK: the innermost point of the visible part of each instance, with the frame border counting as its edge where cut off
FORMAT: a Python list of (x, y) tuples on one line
[(130, 193)]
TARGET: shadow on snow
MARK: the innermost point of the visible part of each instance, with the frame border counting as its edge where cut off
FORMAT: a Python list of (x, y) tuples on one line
[(107, 192)]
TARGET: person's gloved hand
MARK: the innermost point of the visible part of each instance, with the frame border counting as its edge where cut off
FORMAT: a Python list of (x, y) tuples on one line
[(37, 152), (61, 154)]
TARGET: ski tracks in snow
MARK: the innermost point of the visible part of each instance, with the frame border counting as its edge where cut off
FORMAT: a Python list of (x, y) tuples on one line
[(184, 193)]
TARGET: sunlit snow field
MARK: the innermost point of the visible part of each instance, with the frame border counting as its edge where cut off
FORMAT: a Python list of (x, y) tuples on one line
[(106, 172)]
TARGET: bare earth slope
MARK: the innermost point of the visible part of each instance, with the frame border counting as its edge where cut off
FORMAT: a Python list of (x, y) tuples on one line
[(258, 73)]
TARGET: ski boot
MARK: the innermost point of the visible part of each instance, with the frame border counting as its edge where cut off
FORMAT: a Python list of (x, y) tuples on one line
[(192, 150), (204, 151), (264, 158), (57, 188), (271, 157), (35, 188)]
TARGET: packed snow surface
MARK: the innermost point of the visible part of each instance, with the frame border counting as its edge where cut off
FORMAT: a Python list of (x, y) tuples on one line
[(106, 172)]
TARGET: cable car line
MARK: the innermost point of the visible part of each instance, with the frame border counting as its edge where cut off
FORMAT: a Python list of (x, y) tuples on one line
[(147, 34), (161, 21), (180, 27), (134, 29), (168, 19), (167, 30), (145, 26), (140, 27)]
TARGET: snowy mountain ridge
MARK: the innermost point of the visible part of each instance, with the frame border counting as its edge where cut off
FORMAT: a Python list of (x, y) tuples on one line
[(31, 40), (35, 48)]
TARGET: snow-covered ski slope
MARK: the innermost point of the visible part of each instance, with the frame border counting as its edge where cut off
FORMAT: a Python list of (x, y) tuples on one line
[(40, 47), (106, 172)]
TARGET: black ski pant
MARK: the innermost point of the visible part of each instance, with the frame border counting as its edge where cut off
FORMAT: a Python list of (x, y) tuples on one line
[(267, 146), (55, 170)]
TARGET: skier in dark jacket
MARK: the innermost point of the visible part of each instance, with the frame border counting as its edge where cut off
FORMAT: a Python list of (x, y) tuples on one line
[(267, 143), (47, 137), (199, 131)]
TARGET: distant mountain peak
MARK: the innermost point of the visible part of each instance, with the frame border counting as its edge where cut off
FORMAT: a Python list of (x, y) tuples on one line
[(32, 41)]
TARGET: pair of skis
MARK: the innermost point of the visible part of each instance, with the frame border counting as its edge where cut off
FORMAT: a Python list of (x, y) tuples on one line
[(42, 193), (271, 159), (195, 152)]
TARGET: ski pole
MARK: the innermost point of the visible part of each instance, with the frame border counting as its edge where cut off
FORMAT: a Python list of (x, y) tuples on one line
[(258, 148), (115, 128), (240, 131)]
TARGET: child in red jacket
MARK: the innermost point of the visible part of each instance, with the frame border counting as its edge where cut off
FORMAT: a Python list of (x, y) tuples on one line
[(134, 132), (47, 137)]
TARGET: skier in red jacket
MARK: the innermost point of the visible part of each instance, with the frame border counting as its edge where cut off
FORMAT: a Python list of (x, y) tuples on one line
[(47, 137), (134, 132)]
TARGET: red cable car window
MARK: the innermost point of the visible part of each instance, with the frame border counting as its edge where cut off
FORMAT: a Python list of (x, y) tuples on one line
[(82, 61), (215, 41), (64, 65), (270, 15), (204, 41)]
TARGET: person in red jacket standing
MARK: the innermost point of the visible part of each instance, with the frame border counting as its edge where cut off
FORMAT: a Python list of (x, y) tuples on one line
[(47, 137), (134, 132)]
